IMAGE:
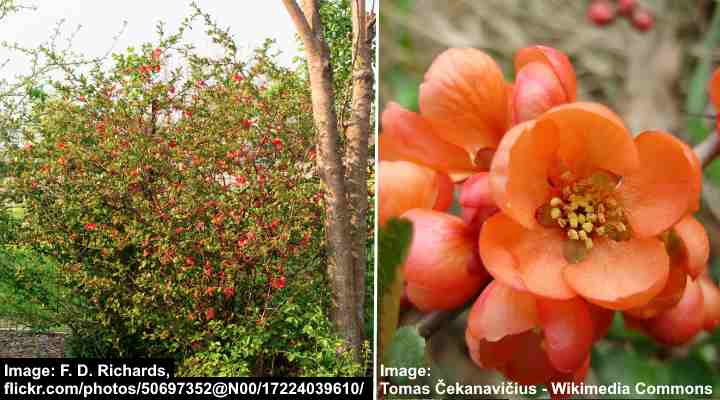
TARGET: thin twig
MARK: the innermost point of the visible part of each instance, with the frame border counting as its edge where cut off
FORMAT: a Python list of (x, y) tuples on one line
[(432, 322), (709, 149)]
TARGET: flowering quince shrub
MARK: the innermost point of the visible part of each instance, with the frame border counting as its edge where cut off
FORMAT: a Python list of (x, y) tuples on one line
[(180, 202), (563, 217)]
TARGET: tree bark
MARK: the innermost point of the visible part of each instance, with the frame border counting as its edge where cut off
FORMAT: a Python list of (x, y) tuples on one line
[(329, 161), (356, 151)]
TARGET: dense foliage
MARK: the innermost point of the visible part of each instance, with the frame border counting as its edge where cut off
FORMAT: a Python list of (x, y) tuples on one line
[(183, 210)]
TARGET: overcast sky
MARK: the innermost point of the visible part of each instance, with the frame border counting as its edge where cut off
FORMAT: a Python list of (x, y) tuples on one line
[(250, 21)]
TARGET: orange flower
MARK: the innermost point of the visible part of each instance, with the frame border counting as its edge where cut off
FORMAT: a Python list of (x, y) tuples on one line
[(403, 186), (533, 340), (442, 269), (582, 205), (466, 107), (715, 96), (697, 310)]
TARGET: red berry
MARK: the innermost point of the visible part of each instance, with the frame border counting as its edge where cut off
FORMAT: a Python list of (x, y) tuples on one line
[(210, 314), (626, 7), (601, 12), (229, 293), (642, 20)]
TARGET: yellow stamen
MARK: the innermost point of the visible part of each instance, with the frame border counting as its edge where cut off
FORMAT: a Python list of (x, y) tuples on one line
[(587, 227), (573, 234), (589, 243), (583, 235), (556, 201), (555, 213)]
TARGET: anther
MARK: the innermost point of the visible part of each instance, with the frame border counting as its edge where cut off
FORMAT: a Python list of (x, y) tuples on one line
[(587, 227), (555, 213), (556, 201), (573, 234), (573, 218), (589, 243), (581, 219), (583, 235), (621, 227), (600, 230)]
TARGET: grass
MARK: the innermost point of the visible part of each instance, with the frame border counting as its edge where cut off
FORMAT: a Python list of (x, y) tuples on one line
[(30, 293)]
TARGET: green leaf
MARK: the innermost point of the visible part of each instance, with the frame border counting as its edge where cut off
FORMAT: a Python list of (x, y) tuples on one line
[(393, 243), (406, 351), (614, 363), (697, 92)]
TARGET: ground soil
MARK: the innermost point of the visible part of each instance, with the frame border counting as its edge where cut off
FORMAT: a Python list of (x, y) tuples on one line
[(26, 344)]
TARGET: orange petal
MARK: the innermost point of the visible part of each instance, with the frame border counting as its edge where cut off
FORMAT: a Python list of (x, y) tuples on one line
[(446, 189), (441, 259), (711, 302), (602, 320), (577, 376), (519, 171), (492, 354), (403, 186), (529, 260), (593, 138), (433, 299), (568, 329), (554, 58), (661, 192), (681, 323), (668, 297), (501, 311), (715, 89), (476, 217), (620, 275), (476, 191), (696, 245), (537, 89), (531, 365), (408, 136), (464, 95)]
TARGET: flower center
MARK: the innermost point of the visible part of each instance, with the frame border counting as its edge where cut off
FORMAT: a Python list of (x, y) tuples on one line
[(585, 209)]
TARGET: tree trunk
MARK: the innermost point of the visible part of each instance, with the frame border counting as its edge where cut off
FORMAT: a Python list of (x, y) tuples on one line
[(356, 152), (340, 257)]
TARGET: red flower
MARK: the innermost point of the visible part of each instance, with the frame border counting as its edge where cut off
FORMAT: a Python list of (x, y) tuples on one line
[(61, 145), (210, 314), (90, 227), (247, 123), (238, 78), (278, 283), (229, 292)]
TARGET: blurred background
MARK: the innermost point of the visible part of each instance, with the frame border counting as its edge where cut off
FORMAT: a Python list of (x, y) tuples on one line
[(652, 68)]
